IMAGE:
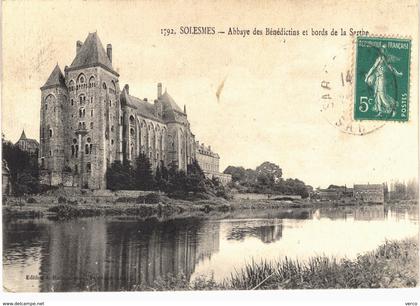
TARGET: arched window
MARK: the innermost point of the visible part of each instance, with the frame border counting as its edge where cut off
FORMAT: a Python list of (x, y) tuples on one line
[(72, 102), (104, 85), (113, 88), (76, 168), (91, 113), (88, 167), (132, 132), (51, 133), (131, 119), (91, 125), (91, 82), (71, 85), (112, 128)]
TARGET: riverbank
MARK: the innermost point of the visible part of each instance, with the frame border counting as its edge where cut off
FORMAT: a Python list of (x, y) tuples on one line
[(148, 204), (392, 265)]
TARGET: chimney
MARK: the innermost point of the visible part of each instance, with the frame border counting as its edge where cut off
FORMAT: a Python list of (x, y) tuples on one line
[(109, 52), (158, 109), (127, 88), (159, 90), (79, 44)]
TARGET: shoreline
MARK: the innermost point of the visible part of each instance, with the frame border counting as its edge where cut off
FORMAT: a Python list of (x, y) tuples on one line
[(154, 205)]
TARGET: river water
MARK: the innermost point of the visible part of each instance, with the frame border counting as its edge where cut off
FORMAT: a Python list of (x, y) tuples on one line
[(114, 253)]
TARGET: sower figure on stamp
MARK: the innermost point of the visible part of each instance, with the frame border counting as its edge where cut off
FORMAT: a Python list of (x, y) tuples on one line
[(377, 79)]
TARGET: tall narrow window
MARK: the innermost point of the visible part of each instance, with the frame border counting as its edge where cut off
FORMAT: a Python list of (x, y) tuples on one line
[(51, 133), (88, 167)]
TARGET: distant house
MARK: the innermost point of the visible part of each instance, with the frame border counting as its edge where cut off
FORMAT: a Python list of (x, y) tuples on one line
[(370, 193), (209, 163), (27, 144), (334, 193)]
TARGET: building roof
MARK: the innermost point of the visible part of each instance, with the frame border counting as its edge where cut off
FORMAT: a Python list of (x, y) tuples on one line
[(144, 108), (169, 103), (56, 78), (92, 53), (29, 141), (368, 186), (23, 135)]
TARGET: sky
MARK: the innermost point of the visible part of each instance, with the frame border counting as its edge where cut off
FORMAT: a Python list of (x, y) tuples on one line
[(269, 107)]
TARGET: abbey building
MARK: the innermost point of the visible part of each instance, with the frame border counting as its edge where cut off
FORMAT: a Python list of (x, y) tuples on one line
[(88, 121)]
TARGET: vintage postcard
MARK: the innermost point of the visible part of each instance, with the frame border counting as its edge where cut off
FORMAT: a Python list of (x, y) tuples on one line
[(209, 145)]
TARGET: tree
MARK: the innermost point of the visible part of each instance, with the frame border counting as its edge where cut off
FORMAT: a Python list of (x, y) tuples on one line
[(23, 167), (143, 173), (195, 179), (120, 176), (238, 173), (161, 178), (268, 173)]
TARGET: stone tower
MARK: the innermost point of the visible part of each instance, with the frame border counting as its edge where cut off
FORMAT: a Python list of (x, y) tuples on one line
[(92, 129), (53, 112), (81, 118)]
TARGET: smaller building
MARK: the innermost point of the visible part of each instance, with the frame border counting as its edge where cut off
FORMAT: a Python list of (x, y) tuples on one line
[(333, 193), (209, 163), (370, 193), (27, 144)]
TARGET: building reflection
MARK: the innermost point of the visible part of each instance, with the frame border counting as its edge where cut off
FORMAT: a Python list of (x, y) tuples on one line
[(266, 233), (96, 254), (362, 213)]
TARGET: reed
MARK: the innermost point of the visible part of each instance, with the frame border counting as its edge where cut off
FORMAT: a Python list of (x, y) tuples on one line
[(393, 265)]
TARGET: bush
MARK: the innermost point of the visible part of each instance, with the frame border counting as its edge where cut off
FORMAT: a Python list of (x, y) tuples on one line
[(31, 201), (152, 198), (126, 200), (62, 200)]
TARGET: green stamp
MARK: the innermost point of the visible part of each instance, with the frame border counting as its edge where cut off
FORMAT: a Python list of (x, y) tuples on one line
[(382, 79)]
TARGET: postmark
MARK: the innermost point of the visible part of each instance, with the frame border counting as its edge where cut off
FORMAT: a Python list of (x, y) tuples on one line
[(382, 76), (337, 92)]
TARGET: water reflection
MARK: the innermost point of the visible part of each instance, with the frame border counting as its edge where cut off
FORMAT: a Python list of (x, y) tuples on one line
[(110, 254), (266, 233)]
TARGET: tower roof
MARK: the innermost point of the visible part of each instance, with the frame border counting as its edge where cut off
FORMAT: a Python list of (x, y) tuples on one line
[(56, 78), (22, 136), (92, 53), (169, 102)]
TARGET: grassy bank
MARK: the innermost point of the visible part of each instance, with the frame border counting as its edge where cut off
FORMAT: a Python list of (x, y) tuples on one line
[(144, 207), (393, 265)]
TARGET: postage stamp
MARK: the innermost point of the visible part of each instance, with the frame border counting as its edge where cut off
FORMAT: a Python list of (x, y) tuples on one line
[(382, 79)]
